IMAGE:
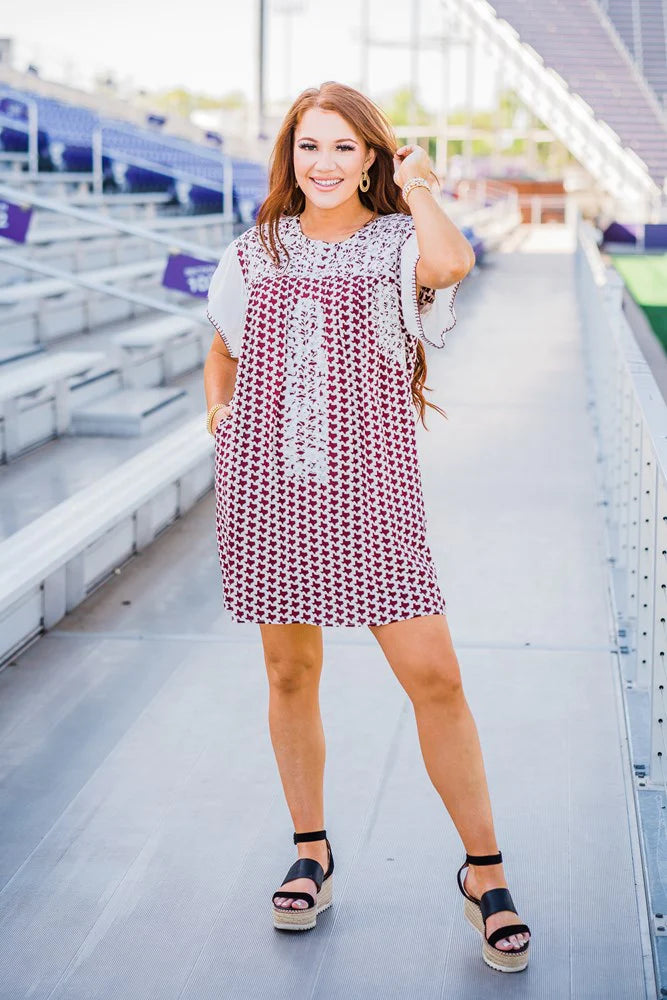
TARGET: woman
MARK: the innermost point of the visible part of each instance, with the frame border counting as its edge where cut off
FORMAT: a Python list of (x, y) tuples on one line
[(312, 379)]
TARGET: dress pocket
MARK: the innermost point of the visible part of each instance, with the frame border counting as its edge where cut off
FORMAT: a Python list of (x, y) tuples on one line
[(221, 428), (221, 435)]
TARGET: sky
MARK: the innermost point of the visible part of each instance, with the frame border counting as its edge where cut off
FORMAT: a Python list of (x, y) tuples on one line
[(212, 47)]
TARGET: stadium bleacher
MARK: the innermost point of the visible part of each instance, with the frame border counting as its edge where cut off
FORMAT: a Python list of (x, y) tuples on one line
[(642, 26), (92, 282), (134, 159), (578, 42)]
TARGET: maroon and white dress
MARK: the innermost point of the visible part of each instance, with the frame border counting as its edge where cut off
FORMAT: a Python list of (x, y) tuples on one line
[(319, 510)]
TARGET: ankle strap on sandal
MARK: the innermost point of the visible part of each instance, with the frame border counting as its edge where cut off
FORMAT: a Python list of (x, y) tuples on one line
[(476, 859), (310, 835), (484, 859)]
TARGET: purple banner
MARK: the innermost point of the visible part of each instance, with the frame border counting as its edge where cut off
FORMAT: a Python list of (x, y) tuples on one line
[(14, 221), (655, 236), (618, 232), (188, 274)]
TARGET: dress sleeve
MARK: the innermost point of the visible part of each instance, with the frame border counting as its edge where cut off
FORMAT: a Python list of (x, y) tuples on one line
[(228, 299), (432, 315)]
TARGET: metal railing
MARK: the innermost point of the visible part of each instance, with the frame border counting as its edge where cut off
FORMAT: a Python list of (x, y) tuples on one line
[(31, 128), (99, 218), (630, 419), (169, 240)]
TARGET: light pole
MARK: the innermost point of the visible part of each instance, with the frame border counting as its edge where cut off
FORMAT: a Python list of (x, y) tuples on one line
[(261, 108), (415, 43), (289, 8)]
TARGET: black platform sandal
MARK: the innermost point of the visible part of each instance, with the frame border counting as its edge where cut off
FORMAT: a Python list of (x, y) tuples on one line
[(476, 911), (293, 918)]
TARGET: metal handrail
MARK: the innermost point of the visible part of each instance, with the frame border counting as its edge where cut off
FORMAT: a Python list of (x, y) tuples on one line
[(630, 418), (73, 278), (31, 128), (19, 196)]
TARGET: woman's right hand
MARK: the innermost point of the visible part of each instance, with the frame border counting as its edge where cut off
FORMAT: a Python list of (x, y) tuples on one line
[(224, 413)]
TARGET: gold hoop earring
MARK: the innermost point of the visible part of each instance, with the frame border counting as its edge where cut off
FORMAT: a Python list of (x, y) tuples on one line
[(365, 181)]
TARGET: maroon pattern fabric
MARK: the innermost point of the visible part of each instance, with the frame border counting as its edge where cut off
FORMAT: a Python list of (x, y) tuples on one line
[(320, 516)]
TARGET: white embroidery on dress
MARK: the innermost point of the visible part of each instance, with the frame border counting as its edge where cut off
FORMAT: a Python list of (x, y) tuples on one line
[(306, 423), (391, 339), (372, 250)]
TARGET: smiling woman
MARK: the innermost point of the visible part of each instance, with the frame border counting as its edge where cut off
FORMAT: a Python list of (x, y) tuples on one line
[(326, 303)]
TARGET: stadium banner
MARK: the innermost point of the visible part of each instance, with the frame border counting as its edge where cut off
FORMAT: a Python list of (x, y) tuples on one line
[(617, 232), (14, 221), (188, 274), (655, 236)]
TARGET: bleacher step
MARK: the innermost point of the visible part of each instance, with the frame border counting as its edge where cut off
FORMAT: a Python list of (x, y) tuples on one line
[(18, 352), (129, 412)]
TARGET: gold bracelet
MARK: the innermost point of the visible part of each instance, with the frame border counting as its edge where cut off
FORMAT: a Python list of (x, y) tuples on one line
[(413, 183), (211, 413)]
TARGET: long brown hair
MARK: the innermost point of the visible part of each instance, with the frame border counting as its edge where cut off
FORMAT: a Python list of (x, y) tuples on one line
[(383, 197)]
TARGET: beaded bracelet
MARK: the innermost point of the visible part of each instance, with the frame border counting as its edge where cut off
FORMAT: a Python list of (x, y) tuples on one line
[(211, 413), (413, 183)]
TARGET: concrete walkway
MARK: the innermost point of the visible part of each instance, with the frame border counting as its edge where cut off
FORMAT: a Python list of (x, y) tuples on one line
[(144, 827)]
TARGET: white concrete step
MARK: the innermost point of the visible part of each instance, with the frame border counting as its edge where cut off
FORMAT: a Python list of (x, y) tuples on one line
[(129, 412)]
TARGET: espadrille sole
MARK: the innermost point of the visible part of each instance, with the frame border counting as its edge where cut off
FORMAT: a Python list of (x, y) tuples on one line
[(495, 957), (294, 918)]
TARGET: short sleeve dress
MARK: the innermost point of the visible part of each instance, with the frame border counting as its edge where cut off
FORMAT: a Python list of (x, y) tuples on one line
[(320, 516)]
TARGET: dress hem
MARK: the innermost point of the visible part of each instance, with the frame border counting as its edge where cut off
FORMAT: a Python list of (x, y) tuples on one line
[(336, 624)]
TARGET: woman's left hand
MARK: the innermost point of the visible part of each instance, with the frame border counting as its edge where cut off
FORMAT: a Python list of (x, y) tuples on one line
[(411, 161)]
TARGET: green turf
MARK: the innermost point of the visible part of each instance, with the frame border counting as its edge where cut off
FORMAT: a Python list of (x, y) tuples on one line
[(645, 276)]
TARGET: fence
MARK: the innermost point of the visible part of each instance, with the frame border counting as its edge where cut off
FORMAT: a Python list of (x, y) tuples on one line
[(630, 418)]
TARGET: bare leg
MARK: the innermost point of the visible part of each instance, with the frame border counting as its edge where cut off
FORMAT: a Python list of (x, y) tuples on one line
[(293, 658), (420, 652)]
